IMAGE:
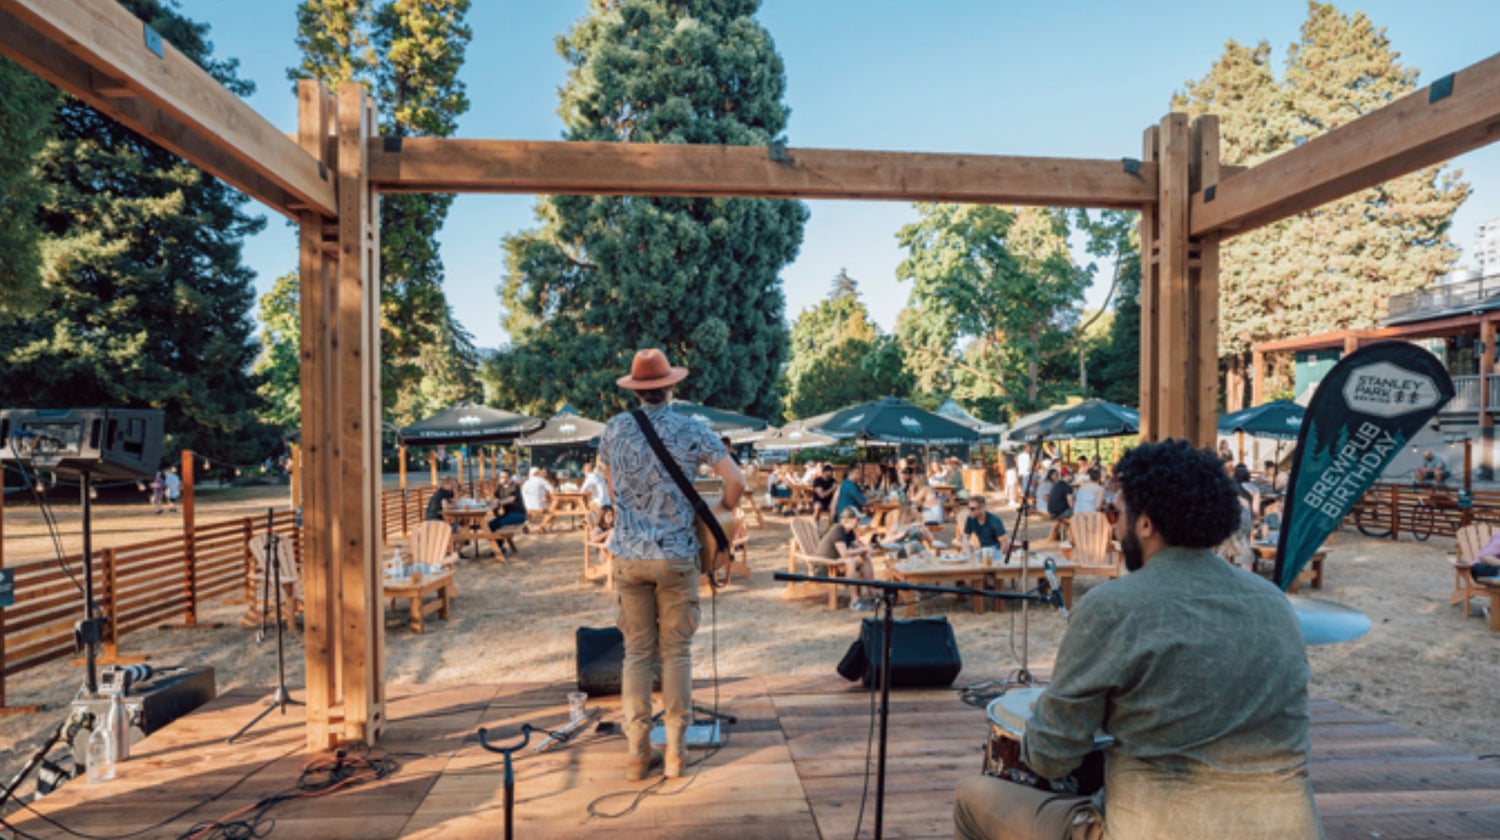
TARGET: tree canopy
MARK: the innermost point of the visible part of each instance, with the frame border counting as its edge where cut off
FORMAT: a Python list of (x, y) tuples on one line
[(144, 301), (839, 357), (1336, 266), (408, 53), (605, 275)]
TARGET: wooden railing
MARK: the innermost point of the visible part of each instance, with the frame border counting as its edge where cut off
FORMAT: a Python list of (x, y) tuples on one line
[(1404, 509), (146, 584), (401, 510)]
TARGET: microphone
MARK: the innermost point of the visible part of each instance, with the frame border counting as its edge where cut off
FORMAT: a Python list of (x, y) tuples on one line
[(1049, 568)]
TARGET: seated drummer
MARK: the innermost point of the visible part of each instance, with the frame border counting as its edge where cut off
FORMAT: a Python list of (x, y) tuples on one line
[(1210, 725)]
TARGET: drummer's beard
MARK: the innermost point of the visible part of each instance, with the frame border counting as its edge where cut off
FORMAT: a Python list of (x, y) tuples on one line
[(1132, 550)]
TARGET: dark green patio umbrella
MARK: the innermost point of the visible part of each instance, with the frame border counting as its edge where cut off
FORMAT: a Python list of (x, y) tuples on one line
[(892, 420), (1088, 419), (721, 421), (468, 423), (1277, 420), (565, 428), (792, 437)]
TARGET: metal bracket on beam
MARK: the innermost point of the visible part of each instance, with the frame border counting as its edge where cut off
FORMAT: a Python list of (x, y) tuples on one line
[(391, 142), (777, 152), (1131, 166), (322, 171), (153, 40), (1441, 89), (1209, 192)]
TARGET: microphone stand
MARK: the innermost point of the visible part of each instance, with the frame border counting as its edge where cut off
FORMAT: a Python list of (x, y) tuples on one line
[(888, 594), (272, 577), (1023, 675)]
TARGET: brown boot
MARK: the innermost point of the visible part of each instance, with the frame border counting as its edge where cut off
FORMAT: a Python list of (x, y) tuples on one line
[(638, 767), (676, 764)]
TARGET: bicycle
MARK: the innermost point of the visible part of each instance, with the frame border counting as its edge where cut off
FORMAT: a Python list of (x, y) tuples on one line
[(1431, 501)]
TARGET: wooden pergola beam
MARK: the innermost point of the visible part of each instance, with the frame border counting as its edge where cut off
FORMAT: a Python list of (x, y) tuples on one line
[(1421, 129), (99, 52), (447, 165)]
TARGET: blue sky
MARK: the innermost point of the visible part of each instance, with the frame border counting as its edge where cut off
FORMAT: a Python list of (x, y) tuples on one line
[(1068, 78)]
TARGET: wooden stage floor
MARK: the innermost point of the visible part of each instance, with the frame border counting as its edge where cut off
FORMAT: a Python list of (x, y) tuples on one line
[(793, 769)]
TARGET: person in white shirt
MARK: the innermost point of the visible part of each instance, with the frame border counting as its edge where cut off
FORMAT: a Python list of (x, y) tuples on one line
[(593, 484), (813, 470), (536, 492), (1089, 495), (174, 488)]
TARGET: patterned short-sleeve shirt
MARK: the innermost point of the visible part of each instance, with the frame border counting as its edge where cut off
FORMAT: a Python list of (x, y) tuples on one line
[(653, 520)]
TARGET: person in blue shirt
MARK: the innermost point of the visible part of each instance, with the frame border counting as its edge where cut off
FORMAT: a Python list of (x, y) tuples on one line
[(849, 495), (986, 528)]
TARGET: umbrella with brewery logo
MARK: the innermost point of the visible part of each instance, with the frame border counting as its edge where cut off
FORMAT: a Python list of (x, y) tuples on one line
[(731, 424), (1364, 411), (468, 423), (792, 437), (565, 428), (1277, 420), (892, 420), (1088, 419)]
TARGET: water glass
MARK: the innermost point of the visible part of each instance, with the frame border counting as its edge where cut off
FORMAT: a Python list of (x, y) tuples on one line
[(576, 699)]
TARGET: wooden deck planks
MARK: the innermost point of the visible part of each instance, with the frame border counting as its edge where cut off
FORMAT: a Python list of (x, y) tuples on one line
[(794, 769)]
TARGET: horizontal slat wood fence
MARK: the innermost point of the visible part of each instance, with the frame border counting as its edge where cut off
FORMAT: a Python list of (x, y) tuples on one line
[(401, 510), (145, 584), (1399, 508)]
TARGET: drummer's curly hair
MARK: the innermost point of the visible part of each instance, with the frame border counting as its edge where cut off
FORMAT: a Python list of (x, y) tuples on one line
[(1185, 491)]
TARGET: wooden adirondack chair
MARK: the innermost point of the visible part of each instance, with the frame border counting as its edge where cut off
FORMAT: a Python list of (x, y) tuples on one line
[(960, 519), (432, 545), (803, 549), (1471, 539), (1093, 545), (604, 566), (291, 582)]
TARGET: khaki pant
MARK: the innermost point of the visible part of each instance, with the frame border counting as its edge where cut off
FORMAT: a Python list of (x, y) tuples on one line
[(658, 615), (986, 808)]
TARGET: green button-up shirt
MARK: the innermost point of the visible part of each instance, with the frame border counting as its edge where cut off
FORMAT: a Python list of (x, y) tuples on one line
[(1198, 670)]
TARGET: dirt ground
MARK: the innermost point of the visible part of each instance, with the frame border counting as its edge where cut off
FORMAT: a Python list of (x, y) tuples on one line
[(1423, 666)]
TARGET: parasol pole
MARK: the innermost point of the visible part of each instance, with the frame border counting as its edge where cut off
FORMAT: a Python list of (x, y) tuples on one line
[(1240, 434)]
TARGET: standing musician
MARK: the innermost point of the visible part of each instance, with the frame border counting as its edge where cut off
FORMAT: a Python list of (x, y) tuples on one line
[(1195, 667), (655, 547)]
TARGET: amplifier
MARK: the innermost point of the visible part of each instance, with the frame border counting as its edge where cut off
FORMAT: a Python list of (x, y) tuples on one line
[(108, 443), (152, 704)]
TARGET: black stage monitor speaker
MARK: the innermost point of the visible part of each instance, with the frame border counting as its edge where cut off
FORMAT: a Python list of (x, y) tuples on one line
[(601, 660), (108, 443), (924, 654)]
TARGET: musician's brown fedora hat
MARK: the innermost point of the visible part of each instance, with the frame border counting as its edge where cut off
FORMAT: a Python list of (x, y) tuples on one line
[(650, 369)]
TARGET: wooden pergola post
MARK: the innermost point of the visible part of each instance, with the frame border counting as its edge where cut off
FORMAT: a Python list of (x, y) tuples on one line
[(317, 268), (1486, 367), (1179, 287), (357, 363)]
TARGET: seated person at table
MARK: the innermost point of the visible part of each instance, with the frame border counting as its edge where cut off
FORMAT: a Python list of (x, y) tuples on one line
[(601, 524), (928, 501), (593, 484), (986, 529), (904, 526), (537, 491), (812, 471), (1432, 469), (849, 495), (1059, 497), (441, 500), (840, 542), (1088, 496), (1272, 480), (1208, 742), (507, 503), (823, 488)]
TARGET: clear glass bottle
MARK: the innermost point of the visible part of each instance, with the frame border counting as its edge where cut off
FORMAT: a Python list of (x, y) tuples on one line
[(101, 754)]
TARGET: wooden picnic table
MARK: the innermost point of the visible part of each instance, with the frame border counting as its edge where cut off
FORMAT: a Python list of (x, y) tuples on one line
[(473, 526), (570, 505), (942, 572), (415, 589), (1313, 573)]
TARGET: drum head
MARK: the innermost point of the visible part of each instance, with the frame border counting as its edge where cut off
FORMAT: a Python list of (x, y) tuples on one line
[(1011, 710)]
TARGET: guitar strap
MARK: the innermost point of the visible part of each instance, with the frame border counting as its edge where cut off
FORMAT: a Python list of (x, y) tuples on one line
[(700, 507)]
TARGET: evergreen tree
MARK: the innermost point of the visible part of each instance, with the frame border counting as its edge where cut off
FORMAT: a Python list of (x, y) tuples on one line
[(1114, 351), (408, 53), (698, 277), (1333, 267), (25, 126), (146, 301)]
